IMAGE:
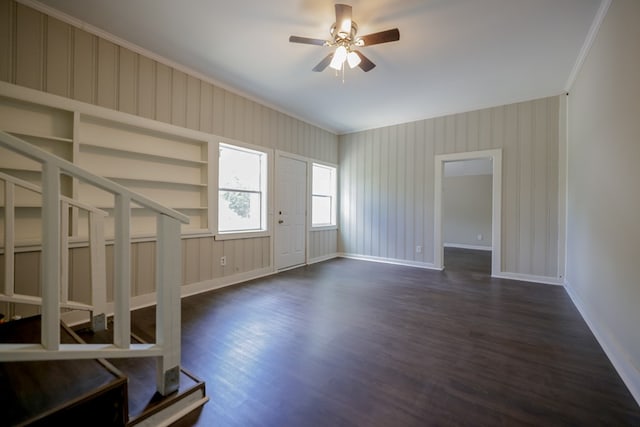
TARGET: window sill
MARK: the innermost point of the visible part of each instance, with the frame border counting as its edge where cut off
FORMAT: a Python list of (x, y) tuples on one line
[(324, 228), (242, 235)]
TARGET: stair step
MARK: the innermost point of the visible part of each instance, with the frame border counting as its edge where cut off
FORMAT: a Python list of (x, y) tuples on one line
[(107, 392), (146, 406), (59, 392)]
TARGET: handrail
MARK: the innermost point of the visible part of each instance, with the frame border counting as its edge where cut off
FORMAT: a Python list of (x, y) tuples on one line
[(32, 187), (55, 209), (41, 156), (95, 215)]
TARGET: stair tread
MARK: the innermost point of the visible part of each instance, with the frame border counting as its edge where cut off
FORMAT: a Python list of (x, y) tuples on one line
[(36, 388), (31, 389), (141, 373)]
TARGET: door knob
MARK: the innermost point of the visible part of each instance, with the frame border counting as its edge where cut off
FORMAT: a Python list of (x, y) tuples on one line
[(280, 221)]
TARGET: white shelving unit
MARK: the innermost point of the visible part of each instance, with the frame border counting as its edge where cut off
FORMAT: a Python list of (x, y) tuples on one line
[(168, 168), (47, 128), (165, 163)]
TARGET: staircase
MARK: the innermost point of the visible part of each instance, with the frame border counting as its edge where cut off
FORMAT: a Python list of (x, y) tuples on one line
[(52, 344), (55, 392)]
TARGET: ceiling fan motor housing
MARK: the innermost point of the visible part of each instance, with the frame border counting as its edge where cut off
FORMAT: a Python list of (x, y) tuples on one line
[(344, 38)]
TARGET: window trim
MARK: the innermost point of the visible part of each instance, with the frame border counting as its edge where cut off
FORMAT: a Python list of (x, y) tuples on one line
[(265, 191), (334, 197)]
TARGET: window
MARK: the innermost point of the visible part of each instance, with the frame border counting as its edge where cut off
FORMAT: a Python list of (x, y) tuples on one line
[(323, 199), (242, 199)]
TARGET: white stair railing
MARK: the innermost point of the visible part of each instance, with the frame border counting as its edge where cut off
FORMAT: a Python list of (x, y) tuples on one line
[(96, 243), (168, 272)]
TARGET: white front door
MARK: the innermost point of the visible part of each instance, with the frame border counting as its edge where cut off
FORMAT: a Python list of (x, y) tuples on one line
[(291, 212)]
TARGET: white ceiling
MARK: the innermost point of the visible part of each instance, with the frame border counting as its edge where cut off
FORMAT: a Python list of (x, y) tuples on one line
[(453, 55)]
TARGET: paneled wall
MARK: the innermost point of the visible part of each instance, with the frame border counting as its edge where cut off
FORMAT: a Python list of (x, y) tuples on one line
[(387, 184), (43, 53), (40, 52)]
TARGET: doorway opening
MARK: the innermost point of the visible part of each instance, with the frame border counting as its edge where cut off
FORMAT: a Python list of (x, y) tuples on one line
[(469, 220), (466, 215)]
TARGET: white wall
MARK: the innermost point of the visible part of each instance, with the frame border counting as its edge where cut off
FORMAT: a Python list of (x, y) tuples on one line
[(387, 184), (466, 210), (603, 222)]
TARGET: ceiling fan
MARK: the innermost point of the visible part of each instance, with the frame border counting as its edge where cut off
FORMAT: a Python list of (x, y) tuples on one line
[(343, 38)]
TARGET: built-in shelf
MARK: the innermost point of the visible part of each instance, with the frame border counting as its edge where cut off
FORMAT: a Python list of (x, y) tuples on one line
[(165, 163), (178, 208), (86, 146), (134, 181), (25, 206), (20, 172), (39, 136)]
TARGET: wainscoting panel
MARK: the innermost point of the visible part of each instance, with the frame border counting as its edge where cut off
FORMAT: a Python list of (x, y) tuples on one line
[(322, 244)]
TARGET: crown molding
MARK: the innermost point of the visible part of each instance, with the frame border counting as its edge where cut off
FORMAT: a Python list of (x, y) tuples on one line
[(55, 13)]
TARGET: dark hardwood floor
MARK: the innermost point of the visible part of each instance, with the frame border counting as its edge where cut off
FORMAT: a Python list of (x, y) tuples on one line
[(350, 342)]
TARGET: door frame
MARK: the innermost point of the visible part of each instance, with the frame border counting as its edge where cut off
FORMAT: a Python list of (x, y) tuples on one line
[(278, 155), (496, 205)]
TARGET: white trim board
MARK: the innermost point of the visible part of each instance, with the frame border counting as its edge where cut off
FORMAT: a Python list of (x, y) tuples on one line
[(76, 317), (428, 266), (322, 258), (496, 204), (528, 278), (394, 261), (618, 358), (463, 246), (588, 42)]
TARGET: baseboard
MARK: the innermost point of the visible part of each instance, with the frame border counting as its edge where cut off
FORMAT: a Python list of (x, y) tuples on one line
[(73, 318), (473, 247), (628, 372), (394, 261), (529, 278), (221, 282), (323, 258)]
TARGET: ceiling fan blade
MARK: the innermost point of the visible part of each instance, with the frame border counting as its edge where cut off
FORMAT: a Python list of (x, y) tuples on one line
[(381, 37), (307, 40), (324, 63), (365, 63), (343, 19)]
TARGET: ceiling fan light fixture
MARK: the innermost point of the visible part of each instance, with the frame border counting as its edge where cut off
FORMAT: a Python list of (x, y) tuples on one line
[(346, 43), (353, 59), (338, 58)]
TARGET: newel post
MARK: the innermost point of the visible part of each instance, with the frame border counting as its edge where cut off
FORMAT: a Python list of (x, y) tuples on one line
[(168, 278), (50, 329), (98, 271), (122, 274)]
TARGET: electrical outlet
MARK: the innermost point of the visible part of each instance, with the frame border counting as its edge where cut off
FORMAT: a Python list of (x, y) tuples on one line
[(418, 249), (223, 260), (479, 237)]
